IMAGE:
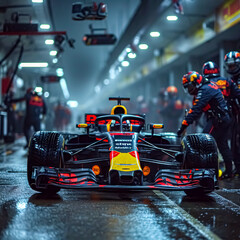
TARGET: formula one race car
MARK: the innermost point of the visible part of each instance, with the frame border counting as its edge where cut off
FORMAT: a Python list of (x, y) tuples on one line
[(116, 152)]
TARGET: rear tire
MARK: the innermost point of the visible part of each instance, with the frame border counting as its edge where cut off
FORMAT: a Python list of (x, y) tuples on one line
[(200, 151), (44, 150)]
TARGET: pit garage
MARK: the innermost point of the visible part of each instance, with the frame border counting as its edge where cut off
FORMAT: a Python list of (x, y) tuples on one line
[(91, 100)]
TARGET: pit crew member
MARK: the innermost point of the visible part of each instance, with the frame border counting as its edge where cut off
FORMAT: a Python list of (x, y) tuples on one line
[(231, 94), (209, 99)]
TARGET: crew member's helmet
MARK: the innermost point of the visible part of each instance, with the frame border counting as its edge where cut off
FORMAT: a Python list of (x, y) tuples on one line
[(232, 63), (210, 70), (192, 81), (172, 91)]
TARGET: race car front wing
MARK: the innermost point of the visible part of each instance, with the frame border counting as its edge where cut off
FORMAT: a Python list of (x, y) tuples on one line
[(86, 179)]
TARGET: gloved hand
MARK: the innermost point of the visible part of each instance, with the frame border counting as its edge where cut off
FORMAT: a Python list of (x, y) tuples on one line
[(181, 130)]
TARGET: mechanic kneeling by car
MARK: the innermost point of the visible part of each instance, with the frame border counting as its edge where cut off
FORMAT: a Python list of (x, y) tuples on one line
[(209, 99)]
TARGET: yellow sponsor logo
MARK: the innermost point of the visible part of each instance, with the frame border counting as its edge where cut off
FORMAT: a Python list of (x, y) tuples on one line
[(221, 83), (125, 162)]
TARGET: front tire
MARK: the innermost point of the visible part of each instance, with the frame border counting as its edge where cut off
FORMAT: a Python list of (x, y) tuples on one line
[(200, 151), (44, 150)]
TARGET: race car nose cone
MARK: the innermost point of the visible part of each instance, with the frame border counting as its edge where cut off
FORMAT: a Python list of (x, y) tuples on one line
[(120, 177)]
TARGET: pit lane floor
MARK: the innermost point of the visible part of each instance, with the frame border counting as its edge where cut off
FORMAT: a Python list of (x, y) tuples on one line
[(74, 214)]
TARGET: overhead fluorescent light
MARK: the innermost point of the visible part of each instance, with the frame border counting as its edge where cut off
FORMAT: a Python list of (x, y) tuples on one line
[(72, 104), (55, 60), (106, 81), (59, 72), (132, 55), (53, 53), (112, 73), (136, 40), (45, 26), (33, 64), (128, 49), (125, 63), (46, 94), (37, 1), (19, 82), (143, 46), (49, 42), (120, 58), (97, 89), (172, 18), (38, 89), (63, 85), (154, 34)]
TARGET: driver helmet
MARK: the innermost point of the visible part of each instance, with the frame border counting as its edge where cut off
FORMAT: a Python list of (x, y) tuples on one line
[(210, 70), (192, 81), (172, 91), (232, 63)]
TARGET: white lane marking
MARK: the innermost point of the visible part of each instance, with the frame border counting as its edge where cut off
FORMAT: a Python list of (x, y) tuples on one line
[(207, 233), (231, 190), (228, 204)]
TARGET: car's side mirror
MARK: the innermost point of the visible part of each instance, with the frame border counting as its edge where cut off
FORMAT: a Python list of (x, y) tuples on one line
[(155, 126), (84, 125)]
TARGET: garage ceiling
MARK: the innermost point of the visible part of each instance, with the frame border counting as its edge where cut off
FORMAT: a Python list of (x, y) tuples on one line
[(87, 66)]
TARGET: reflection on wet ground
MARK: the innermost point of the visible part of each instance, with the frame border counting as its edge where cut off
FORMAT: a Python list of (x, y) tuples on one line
[(74, 214)]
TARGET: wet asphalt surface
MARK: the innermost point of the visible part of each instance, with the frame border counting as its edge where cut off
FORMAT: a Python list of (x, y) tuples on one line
[(76, 214)]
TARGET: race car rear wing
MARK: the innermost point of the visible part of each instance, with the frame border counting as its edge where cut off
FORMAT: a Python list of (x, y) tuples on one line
[(119, 99)]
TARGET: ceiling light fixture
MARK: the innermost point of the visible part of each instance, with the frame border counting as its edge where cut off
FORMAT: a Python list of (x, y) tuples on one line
[(33, 64), (59, 72), (72, 103), (97, 89), (172, 18), (38, 89), (19, 82), (49, 42), (125, 63), (46, 94), (143, 46), (63, 85), (53, 53), (45, 26), (106, 81), (120, 58), (132, 55), (112, 73), (55, 60), (154, 34), (37, 1), (128, 49), (136, 40)]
